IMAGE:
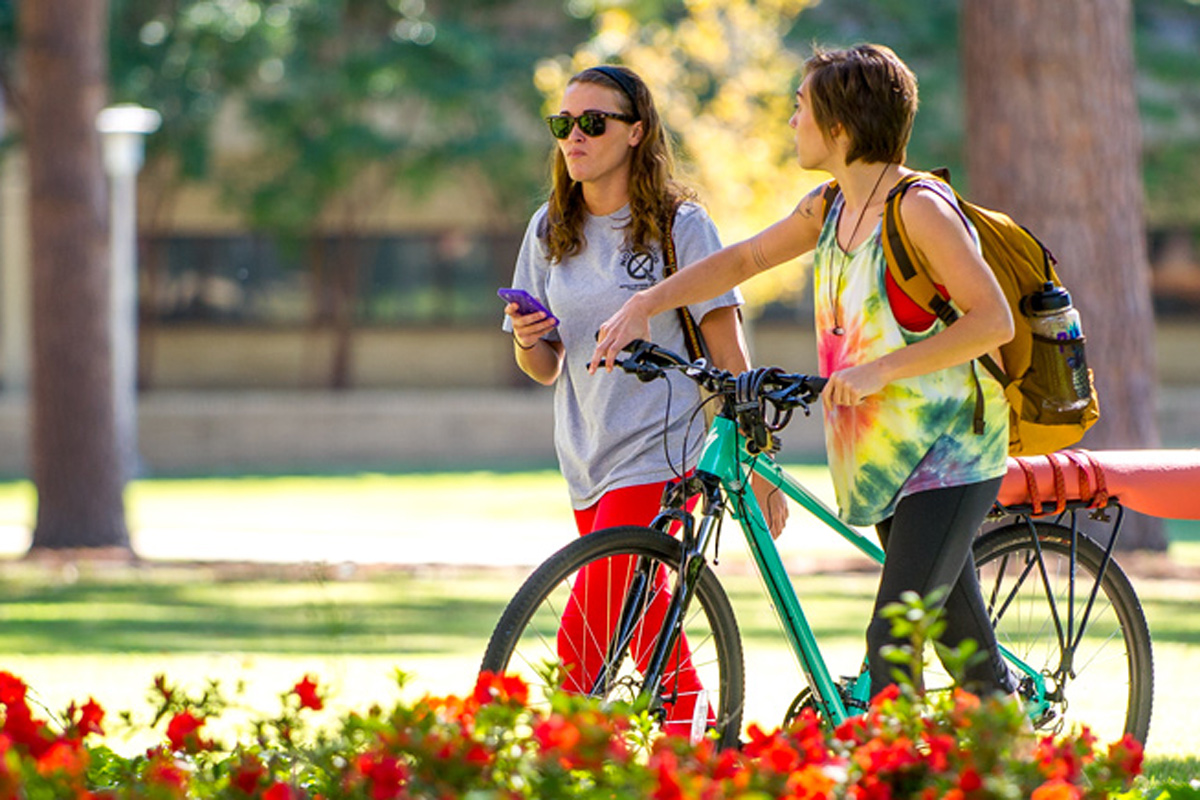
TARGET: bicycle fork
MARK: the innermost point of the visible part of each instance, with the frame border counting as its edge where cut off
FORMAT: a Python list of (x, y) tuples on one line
[(641, 588)]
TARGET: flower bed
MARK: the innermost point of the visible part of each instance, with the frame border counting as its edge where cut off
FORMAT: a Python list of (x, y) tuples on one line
[(492, 744)]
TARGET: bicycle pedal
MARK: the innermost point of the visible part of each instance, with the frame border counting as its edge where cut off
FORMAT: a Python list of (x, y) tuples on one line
[(855, 705), (1046, 718)]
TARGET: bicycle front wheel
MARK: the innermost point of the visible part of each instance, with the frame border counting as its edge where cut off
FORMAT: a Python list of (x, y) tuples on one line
[(589, 618), (1094, 654)]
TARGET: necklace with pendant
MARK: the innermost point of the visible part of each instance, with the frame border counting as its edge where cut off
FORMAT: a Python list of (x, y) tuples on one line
[(835, 297)]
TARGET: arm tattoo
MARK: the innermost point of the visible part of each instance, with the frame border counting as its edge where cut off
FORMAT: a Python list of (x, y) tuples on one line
[(760, 260)]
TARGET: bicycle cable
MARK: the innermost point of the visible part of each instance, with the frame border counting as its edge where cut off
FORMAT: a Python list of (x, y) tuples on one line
[(681, 471)]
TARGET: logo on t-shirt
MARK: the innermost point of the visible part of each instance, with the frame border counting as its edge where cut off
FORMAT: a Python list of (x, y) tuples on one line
[(642, 267)]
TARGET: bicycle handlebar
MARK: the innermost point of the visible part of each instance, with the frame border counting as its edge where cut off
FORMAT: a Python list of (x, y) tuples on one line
[(748, 394)]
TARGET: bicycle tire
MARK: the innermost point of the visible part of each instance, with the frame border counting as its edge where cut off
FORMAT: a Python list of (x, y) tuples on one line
[(1114, 649), (525, 640)]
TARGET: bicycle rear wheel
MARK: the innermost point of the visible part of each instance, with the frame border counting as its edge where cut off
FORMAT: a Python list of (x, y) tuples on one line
[(1095, 656), (565, 615)]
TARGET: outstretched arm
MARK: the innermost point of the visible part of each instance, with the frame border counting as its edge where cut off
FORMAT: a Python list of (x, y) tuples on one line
[(711, 276)]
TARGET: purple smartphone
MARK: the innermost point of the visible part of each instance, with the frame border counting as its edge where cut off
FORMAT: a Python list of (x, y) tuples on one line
[(526, 303)]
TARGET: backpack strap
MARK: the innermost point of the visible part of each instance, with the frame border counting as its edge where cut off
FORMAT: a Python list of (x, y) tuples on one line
[(908, 267), (692, 338), (909, 271), (830, 193)]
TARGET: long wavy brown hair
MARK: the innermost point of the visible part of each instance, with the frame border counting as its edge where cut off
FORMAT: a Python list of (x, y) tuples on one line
[(653, 191)]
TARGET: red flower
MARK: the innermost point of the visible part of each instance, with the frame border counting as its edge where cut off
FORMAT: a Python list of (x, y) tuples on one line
[(853, 730), (556, 733), (63, 757), (810, 782), (772, 751), (385, 775), (12, 689), (886, 694), (877, 756), (478, 755), (668, 784), (24, 730), (965, 701), (870, 788), (281, 791), (163, 772), (182, 732), (729, 764), (1058, 760), (1127, 754), (248, 774), (493, 688), (306, 690), (969, 781), (90, 717), (1056, 789), (939, 747)]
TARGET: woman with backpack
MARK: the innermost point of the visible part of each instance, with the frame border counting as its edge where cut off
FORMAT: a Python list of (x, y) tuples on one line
[(916, 435), (614, 206)]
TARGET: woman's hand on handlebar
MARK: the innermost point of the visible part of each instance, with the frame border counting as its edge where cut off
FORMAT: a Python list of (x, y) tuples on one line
[(629, 323), (772, 502), (851, 386)]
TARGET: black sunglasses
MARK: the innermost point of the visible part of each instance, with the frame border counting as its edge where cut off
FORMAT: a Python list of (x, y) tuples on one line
[(590, 122)]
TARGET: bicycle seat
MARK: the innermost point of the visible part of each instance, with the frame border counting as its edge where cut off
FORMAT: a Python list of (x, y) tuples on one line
[(1161, 483)]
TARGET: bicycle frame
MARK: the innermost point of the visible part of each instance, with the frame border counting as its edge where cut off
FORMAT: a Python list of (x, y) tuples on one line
[(725, 461)]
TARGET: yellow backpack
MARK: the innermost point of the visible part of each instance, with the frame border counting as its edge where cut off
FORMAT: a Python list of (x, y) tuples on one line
[(1023, 267)]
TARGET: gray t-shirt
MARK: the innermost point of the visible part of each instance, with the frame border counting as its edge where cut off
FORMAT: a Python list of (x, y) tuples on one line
[(608, 427)]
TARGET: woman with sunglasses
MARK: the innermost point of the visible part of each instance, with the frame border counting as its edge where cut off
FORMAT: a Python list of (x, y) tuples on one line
[(598, 240), (904, 451)]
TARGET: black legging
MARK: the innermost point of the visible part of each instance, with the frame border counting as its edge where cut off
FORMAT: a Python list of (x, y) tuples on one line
[(928, 544)]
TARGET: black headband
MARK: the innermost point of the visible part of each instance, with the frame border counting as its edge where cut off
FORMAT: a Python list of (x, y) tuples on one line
[(622, 80)]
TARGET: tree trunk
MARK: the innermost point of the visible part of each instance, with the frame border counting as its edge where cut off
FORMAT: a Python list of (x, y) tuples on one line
[(76, 464), (1054, 139), (344, 277)]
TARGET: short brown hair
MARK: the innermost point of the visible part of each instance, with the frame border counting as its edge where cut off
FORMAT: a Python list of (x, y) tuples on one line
[(870, 92)]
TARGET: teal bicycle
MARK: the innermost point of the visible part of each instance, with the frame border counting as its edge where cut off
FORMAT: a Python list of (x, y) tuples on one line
[(1066, 616)]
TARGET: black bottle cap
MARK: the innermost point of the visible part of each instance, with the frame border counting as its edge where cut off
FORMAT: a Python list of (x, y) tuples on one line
[(1050, 299)]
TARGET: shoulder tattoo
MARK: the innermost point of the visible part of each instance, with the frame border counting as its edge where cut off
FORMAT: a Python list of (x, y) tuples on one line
[(809, 206)]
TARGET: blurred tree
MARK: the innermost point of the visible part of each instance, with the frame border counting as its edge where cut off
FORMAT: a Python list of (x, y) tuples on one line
[(1054, 138), (8, 39), (76, 463), (330, 107), (927, 35), (1167, 41)]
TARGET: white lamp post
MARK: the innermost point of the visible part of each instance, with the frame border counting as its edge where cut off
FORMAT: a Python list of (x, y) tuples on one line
[(124, 128)]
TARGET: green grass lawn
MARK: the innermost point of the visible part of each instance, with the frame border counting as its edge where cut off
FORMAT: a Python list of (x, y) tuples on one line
[(258, 581)]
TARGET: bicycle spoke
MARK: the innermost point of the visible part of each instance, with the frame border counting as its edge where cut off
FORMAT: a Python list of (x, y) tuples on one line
[(569, 613), (1094, 656)]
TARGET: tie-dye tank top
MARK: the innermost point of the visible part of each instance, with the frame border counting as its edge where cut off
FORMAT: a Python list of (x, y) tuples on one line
[(916, 434)]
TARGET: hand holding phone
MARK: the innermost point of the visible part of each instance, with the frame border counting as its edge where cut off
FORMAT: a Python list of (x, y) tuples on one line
[(526, 303)]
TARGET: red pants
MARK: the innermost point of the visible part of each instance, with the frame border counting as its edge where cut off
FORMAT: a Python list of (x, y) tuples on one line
[(595, 607)]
